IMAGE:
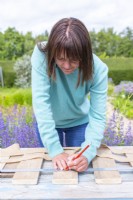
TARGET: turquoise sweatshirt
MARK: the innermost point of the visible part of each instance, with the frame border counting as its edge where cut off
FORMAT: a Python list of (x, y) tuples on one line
[(59, 104)]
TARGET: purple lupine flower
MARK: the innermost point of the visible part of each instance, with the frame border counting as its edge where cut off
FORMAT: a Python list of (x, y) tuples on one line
[(124, 86), (17, 129), (110, 80), (115, 134)]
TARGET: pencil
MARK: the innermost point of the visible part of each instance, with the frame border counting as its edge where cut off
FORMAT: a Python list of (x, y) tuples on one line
[(78, 155)]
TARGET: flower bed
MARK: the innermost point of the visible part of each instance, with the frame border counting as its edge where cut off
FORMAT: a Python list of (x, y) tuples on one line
[(18, 125)]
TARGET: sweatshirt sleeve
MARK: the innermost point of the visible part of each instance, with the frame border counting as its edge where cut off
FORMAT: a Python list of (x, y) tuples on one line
[(42, 105), (97, 113)]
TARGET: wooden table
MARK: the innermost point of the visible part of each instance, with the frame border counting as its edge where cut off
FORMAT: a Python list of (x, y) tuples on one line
[(85, 189)]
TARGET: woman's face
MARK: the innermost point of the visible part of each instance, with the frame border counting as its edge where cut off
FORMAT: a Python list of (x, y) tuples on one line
[(66, 65)]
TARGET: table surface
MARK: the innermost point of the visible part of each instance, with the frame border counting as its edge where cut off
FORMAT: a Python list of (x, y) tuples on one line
[(86, 188)]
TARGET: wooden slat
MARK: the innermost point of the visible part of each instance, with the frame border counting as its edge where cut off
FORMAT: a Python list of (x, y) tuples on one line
[(19, 152), (130, 156), (121, 150), (26, 157), (106, 153), (106, 177), (28, 177), (65, 177), (9, 150), (2, 164), (9, 166), (4, 155)]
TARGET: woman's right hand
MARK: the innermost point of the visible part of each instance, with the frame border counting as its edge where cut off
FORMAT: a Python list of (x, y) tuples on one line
[(60, 161)]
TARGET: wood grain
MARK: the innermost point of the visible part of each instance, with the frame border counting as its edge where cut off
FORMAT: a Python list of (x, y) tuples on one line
[(28, 177), (106, 177), (65, 177)]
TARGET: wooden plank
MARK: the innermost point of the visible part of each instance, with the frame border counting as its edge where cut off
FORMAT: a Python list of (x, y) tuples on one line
[(19, 152), (9, 166), (65, 177), (120, 150), (2, 164), (130, 156), (106, 153), (28, 177), (106, 177), (26, 157), (4, 154), (9, 150)]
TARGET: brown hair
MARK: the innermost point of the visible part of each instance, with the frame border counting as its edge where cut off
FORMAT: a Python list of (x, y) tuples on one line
[(70, 36)]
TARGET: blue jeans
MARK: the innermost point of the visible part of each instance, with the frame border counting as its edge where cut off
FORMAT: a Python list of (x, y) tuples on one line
[(69, 137)]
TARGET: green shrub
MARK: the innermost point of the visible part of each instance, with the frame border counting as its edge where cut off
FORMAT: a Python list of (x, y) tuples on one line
[(9, 74), (9, 78), (120, 69), (120, 75), (22, 68), (124, 105), (110, 89)]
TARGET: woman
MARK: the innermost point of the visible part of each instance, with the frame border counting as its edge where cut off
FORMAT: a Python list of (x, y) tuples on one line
[(64, 72)]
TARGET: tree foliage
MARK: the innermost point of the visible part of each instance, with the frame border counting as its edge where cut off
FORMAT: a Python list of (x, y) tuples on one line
[(14, 44), (111, 43)]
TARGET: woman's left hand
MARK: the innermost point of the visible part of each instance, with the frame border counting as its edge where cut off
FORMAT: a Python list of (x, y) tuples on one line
[(79, 164)]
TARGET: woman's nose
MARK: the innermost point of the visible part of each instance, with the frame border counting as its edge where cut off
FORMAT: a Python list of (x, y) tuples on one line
[(66, 65)]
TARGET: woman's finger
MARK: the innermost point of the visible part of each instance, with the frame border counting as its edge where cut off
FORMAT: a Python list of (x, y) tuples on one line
[(59, 164), (55, 165), (76, 166), (64, 164), (75, 162), (82, 168), (71, 157)]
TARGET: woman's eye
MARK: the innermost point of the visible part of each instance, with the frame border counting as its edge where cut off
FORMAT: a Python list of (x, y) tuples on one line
[(74, 61), (61, 59)]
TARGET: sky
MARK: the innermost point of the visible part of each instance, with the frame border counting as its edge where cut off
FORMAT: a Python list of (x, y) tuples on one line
[(40, 15)]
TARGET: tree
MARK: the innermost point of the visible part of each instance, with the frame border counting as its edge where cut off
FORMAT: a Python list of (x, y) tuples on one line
[(29, 43), (46, 33), (14, 44), (126, 43), (2, 44)]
